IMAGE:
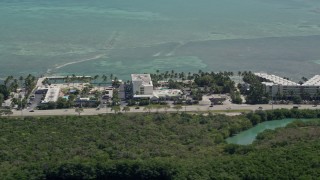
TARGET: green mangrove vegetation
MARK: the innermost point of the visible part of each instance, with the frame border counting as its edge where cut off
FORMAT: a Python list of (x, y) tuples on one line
[(158, 146)]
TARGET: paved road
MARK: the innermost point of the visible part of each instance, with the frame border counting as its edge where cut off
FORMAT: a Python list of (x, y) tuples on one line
[(195, 108)]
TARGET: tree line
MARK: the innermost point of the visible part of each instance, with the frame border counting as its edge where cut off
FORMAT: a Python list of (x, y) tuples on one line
[(11, 84), (150, 146)]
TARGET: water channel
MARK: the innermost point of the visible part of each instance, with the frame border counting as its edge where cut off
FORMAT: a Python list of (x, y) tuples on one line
[(248, 136)]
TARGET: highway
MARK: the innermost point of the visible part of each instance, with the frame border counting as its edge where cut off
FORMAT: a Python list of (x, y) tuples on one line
[(229, 109)]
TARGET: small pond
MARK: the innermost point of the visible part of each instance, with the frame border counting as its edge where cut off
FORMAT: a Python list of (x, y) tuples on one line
[(248, 136)]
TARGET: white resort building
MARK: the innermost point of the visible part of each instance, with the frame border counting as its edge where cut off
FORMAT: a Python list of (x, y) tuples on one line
[(277, 85), (143, 88), (142, 85)]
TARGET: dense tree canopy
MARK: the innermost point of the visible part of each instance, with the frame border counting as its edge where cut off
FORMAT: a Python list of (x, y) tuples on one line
[(154, 146), (1, 99), (4, 91), (255, 94)]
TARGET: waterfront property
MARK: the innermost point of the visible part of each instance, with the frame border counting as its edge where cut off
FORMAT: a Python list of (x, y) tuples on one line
[(167, 93), (51, 93), (275, 85), (142, 85)]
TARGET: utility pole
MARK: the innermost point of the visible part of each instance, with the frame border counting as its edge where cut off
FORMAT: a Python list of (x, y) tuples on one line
[(272, 100), (21, 105), (107, 103)]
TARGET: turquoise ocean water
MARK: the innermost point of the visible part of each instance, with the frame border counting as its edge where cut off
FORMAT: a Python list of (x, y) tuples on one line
[(136, 36)]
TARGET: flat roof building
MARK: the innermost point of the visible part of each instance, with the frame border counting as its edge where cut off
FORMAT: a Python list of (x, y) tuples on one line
[(277, 85), (52, 94), (142, 85), (167, 93)]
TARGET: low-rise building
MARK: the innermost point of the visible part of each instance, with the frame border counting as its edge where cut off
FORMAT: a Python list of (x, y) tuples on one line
[(275, 85), (167, 93), (312, 86), (52, 94)]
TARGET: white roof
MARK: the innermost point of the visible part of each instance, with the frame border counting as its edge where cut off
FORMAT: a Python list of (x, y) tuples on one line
[(167, 92), (142, 96), (52, 95), (268, 83), (314, 81), (276, 79), (144, 78)]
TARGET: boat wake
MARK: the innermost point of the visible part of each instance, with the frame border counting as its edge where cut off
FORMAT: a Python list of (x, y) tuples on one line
[(173, 51), (107, 48), (84, 60), (157, 54)]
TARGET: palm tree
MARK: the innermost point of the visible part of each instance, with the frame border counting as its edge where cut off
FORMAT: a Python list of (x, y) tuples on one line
[(291, 94), (7, 80), (21, 81), (73, 78), (98, 94), (104, 78), (166, 107), (239, 74), (111, 76), (29, 83), (304, 79), (95, 78), (177, 107), (158, 107), (7, 112), (116, 109), (14, 85), (89, 79), (148, 108), (244, 73), (189, 75), (166, 75), (317, 95), (183, 76), (126, 109), (1, 98), (79, 111)]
